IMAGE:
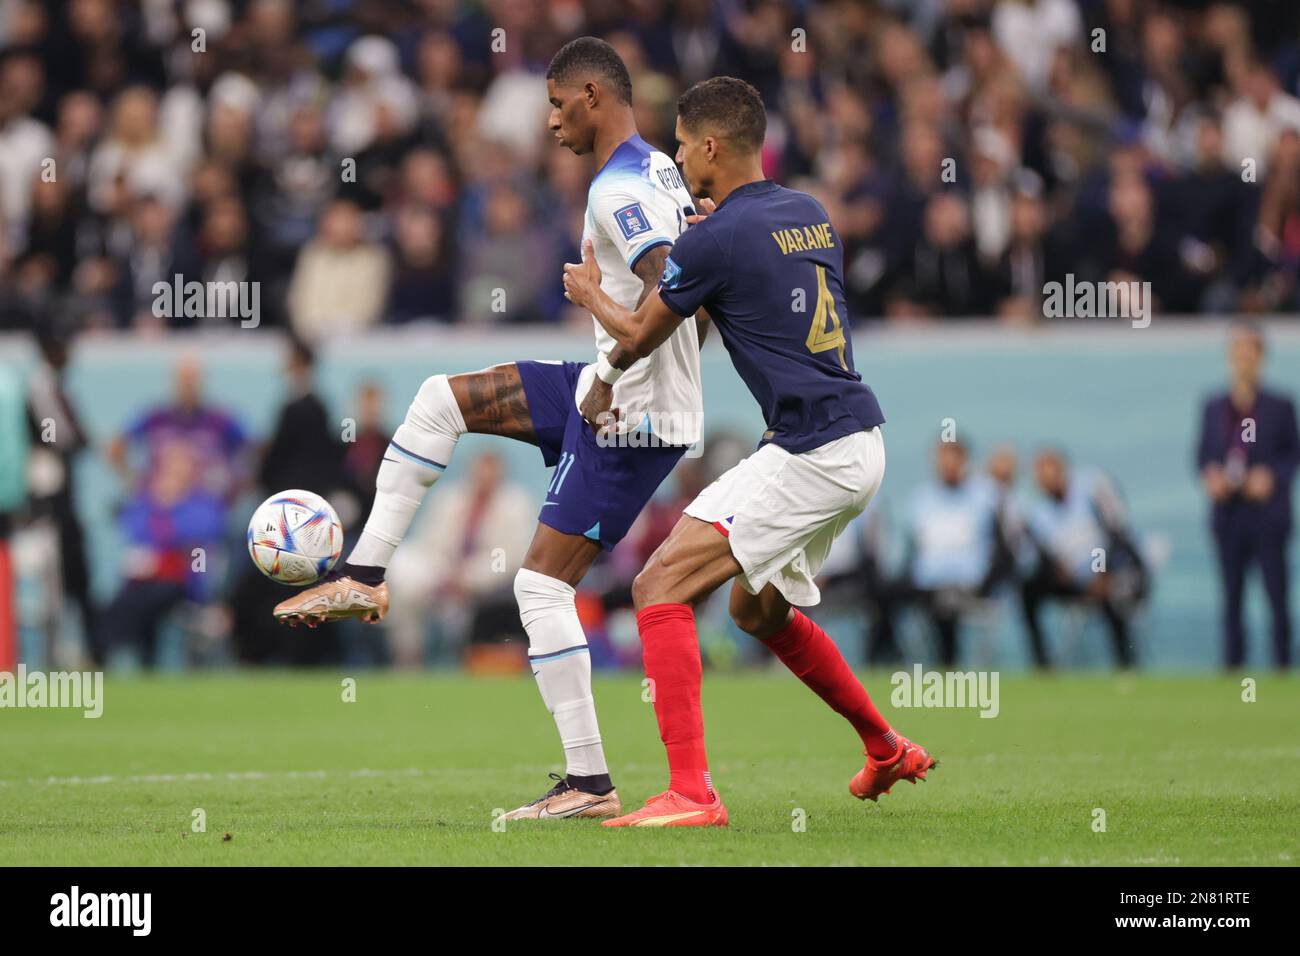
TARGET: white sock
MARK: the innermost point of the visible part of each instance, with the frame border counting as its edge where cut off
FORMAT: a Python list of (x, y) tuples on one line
[(561, 662), (420, 451)]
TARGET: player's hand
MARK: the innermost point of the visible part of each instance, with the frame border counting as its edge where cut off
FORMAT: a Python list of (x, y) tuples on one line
[(595, 408), (1216, 483), (582, 281), (708, 205), (1259, 483)]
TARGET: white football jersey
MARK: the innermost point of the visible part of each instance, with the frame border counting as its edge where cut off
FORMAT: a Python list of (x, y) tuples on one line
[(636, 202)]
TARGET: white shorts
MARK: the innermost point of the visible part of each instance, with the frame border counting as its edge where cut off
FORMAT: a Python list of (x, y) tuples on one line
[(782, 511)]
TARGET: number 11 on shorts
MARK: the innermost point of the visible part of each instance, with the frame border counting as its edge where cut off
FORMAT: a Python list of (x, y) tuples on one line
[(561, 472)]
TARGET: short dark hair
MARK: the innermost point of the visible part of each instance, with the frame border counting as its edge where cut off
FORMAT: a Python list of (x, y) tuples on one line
[(591, 55), (1248, 328), (728, 105), (301, 352)]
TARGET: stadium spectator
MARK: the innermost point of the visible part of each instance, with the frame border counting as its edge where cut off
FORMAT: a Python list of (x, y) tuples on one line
[(304, 451), (58, 441), (1219, 211), (857, 577), (506, 274), (1271, 273), (954, 546), (155, 253), (1257, 116), (172, 529), (1002, 467), (1136, 246), (1031, 31), (136, 157), (948, 281), (365, 451), (293, 188), (218, 442), (24, 143), (13, 494), (341, 278), (268, 117), (423, 285), (459, 567), (1248, 454), (1031, 258), (1085, 554)]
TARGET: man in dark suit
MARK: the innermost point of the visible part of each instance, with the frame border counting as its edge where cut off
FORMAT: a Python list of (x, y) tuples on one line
[(1248, 454), (304, 451)]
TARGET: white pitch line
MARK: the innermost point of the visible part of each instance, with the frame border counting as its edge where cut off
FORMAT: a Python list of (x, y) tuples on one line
[(200, 777)]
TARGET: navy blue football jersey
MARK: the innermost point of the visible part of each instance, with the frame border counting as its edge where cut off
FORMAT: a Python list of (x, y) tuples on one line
[(768, 266)]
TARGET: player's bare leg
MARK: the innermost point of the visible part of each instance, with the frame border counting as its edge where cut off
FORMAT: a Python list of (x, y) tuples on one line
[(488, 402), (814, 658)]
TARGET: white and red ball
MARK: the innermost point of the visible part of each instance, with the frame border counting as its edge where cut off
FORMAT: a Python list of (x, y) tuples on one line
[(295, 537)]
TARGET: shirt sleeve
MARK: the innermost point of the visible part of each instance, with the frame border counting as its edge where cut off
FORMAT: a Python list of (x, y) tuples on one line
[(627, 215), (694, 272)]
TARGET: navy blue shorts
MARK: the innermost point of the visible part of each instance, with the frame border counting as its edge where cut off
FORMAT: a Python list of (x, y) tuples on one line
[(597, 490)]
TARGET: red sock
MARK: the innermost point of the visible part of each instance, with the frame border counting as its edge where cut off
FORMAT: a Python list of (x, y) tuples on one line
[(671, 653), (813, 657)]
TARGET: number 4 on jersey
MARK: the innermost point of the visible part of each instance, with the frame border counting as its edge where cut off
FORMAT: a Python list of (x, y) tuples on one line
[(826, 332)]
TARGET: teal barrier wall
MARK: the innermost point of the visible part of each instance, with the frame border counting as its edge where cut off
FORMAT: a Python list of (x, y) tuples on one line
[(1123, 399)]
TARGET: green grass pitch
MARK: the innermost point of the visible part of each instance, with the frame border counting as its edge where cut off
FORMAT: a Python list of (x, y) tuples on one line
[(411, 772)]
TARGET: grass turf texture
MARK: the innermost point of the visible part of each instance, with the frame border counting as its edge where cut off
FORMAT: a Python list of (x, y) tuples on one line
[(411, 773)]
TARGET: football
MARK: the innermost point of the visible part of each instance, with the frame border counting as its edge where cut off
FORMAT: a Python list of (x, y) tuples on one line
[(295, 537)]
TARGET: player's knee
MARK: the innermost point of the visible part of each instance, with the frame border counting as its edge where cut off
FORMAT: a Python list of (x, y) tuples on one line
[(749, 617), (757, 618), (540, 596), (435, 408), (647, 587), (433, 393)]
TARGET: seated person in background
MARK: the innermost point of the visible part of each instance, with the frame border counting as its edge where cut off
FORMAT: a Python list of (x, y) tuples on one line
[(855, 577), (163, 523), (1085, 553), (1002, 467), (954, 542), (365, 453), (460, 567), (217, 439)]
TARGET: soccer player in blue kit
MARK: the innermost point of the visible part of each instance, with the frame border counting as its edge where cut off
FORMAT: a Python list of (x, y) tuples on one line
[(769, 522)]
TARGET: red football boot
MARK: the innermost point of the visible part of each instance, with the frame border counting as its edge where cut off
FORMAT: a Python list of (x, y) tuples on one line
[(910, 762), (671, 809)]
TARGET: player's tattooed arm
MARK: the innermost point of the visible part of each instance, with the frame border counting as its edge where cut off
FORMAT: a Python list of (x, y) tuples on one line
[(639, 332)]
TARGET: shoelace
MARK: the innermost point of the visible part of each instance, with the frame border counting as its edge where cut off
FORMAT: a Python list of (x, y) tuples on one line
[(560, 787)]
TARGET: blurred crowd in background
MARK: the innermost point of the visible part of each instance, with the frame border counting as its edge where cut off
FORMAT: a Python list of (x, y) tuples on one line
[(386, 161)]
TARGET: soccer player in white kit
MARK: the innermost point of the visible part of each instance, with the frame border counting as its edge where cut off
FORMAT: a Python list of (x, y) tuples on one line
[(637, 207)]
